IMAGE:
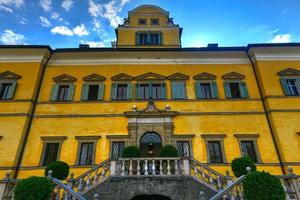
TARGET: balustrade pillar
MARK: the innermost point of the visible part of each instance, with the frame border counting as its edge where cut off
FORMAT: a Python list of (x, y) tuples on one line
[(186, 166), (294, 182), (113, 166)]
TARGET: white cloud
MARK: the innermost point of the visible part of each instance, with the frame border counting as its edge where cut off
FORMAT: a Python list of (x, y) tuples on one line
[(8, 5), (283, 38), (54, 15), (123, 2), (67, 4), (46, 5), (95, 9), (93, 43), (23, 20), (45, 22), (9, 37), (96, 24), (111, 13), (80, 30), (62, 30)]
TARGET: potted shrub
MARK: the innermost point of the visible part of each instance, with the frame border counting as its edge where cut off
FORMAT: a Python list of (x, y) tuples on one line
[(60, 170), (239, 166), (263, 186), (168, 151), (130, 152), (33, 188)]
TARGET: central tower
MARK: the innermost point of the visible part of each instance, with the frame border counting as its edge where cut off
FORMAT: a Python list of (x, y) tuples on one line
[(148, 26)]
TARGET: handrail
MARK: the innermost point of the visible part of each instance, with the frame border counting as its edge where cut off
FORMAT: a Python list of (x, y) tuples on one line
[(150, 158), (207, 168), (66, 188), (221, 193), (92, 169)]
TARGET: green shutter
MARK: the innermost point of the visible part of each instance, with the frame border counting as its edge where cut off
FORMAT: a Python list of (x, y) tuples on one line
[(85, 92), (174, 86), (113, 91), (243, 89), (285, 87), (298, 84), (137, 91), (1, 86), (129, 91), (12, 89), (198, 90), (160, 38), (101, 91), (163, 91), (178, 90), (137, 38), (227, 90), (54, 92), (71, 92), (214, 90)]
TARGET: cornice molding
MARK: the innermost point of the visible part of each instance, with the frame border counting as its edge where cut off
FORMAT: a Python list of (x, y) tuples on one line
[(243, 136), (150, 76), (122, 77), (289, 72), (64, 78), (88, 137), (274, 53), (117, 136), (49, 138), (9, 75), (213, 136), (205, 76), (94, 77)]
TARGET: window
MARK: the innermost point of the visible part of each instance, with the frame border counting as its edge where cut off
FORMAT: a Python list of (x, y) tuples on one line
[(149, 38), (50, 153), (206, 90), (62, 92), (92, 92), (154, 21), (5, 90), (236, 90), (154, 90), (86, 154), (183, 148), (248, 149), (117, 148), (121, 91), (178, 90), (142, 21), (291, 86), (214, 152)]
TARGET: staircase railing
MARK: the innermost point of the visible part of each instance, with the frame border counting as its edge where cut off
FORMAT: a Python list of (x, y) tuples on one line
[(291, 184), (233, 191), (91, 177), (7, 187), (205, 174)]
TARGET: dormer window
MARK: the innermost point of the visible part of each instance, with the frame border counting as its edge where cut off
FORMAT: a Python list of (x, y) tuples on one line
[(63, 89), (8, 82), (142, 21), (290, 81), (155, 21), (149, 38)]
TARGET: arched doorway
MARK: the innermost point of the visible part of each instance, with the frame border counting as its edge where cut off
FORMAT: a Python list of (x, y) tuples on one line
[(150, 197), (150, 144)]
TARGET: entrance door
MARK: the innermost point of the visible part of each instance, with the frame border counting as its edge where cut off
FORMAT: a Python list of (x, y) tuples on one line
[(150, 197), (150, 145)]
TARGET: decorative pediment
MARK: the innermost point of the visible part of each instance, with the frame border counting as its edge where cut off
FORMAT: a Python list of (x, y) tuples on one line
[(122, 77), (233, 76), (205, 76), (94, 77), (64, 78), (289, 72), (9, 75), (178, 76), (150, 77)]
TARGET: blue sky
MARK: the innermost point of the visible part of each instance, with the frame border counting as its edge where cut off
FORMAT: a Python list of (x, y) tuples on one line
[(67, 23)]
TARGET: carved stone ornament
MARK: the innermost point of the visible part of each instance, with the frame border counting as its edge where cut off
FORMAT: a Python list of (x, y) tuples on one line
[(64, 78), (233, 76), (9, 75), (289, 72)]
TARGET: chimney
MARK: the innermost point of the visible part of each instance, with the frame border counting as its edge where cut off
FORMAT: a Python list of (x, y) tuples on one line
[(84, 46), (213, 45)]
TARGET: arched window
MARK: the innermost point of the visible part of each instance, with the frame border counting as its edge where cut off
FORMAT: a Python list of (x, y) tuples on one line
[(151, 137)]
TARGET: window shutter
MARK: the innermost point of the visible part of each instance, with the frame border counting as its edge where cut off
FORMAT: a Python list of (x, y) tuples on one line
[(174, 86), (12, 89), (129, 91), (178, 90), (285, 87), (160, 38), (85, 92), (71, 92), (163, 91), (298, 84), (54, 91), (137, 38), (101, 91), (137, 91), (198, 90), (1, 85), (214, 90), (244, 90), (113, 91), (227, 90)]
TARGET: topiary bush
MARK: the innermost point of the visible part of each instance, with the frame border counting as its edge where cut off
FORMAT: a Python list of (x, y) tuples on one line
[(168, 151), (60, 170), (239, 166), (262, 186), (130, 152), (33, 188)]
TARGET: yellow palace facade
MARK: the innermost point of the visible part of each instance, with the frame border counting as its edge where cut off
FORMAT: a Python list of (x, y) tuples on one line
[(84, 105)]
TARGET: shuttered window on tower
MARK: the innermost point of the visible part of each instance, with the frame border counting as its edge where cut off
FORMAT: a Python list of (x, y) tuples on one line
[(121, 91), (92, 91), (206, 90), (62, 92), (178, 89), (290, 86), (146, 90), (7, 89), (236, 89)]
